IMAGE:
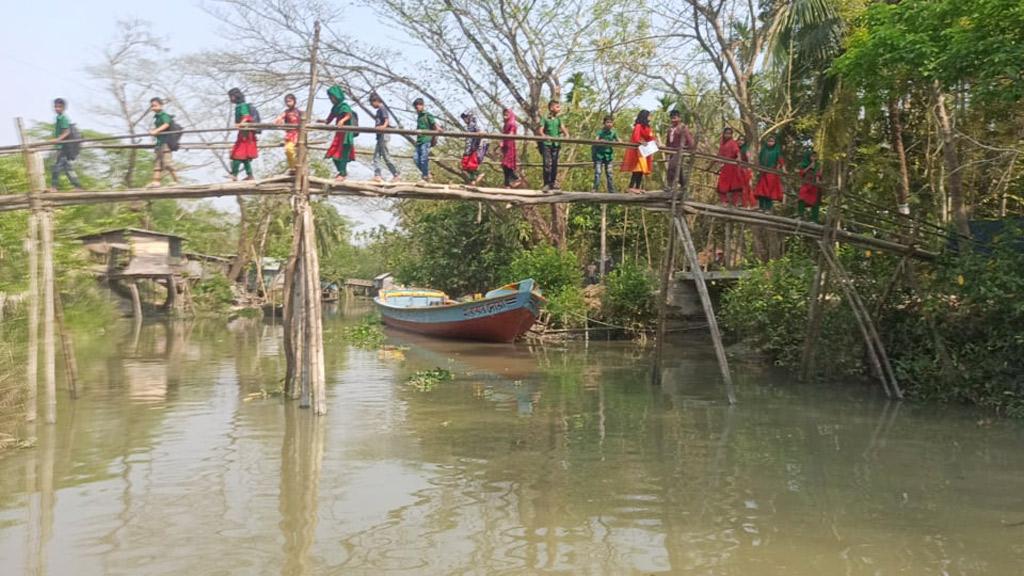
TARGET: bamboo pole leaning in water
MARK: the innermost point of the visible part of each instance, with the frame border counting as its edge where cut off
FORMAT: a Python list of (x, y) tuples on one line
[(698, 275), (31, 247), (67, 344)]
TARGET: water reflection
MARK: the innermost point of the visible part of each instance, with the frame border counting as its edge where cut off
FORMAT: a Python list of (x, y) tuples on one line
[(174, 461)]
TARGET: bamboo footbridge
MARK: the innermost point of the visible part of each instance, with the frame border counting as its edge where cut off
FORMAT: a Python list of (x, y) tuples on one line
[(303, 336)]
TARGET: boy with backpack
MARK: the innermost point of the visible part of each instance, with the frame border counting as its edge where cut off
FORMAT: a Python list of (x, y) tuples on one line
[(424, 121), (166, 139), (65, 154), (380, 151), (549, 149)]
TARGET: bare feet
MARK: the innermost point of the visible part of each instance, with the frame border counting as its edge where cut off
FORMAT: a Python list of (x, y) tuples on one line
[(397, 178), (339, 178), (378, 179), (250, 177), (153, 184), (232, 178)]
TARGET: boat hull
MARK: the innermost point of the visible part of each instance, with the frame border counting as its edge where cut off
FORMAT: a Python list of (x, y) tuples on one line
[(502, 317)]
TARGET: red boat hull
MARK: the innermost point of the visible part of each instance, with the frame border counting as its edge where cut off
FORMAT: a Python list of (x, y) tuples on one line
[(502, 327)]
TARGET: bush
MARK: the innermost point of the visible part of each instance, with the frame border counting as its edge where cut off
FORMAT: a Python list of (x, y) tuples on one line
[(213, 294), (567, 307), (960, 338), (629, 296), (768, 307), (553, 270)]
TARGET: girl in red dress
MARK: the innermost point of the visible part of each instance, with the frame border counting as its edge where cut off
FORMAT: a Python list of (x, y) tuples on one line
[(245, 149), (509, 161), (769, 185), (810, 192), (633, 161), (730, 176), (748, 201)]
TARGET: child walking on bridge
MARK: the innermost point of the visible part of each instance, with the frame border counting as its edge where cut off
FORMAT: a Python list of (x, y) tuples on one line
[(550, 149), (343, 149), (291, 116), (380, 151), (678, 141), (509, 159), (64, 155), (810, 191), (162, 122), (769, 185), (602, 156), (246, 148), (730, 176)]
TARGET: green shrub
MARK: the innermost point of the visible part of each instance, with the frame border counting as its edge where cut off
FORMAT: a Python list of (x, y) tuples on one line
[(567, 307), (629, 296), (213, 294), (366, 334), (768, 307), (552, 269)]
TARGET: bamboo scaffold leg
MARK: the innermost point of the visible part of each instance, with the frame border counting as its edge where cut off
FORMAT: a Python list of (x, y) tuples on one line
[(683, 230), (303, 308), (873, 342), (36, 184)]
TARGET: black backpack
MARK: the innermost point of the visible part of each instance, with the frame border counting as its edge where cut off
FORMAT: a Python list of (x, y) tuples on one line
[(255, 117), (173, 136), (354, 122), (73, 148)]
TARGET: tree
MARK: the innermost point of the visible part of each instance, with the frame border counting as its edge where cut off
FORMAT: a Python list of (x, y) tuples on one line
[(128, 72)]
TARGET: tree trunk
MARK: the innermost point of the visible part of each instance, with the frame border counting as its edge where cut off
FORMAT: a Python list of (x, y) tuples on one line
[(244, 243), (951, 161), (896, 132)]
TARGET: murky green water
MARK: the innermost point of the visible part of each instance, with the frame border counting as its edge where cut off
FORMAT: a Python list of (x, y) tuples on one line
[(530, 461)]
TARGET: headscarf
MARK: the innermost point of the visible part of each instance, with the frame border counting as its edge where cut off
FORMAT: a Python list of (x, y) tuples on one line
[(769, 155), (807, 161), (510, 122), (644, 117), (337, 96), (236, 96), (722, 139)]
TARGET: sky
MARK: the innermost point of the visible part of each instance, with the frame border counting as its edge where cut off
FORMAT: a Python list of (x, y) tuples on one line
[(45, 49)]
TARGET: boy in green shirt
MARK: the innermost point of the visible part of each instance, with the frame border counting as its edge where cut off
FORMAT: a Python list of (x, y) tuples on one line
[(549, 149), (161, 124), (61, 156), (424, 121), (602, 155)]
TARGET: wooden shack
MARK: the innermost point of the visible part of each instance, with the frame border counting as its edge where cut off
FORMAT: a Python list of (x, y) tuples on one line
[(125, 256), (356, 287)]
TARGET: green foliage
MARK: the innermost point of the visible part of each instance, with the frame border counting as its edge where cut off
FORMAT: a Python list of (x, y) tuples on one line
[(366, 334), (962, 338), (554, 270), (444, 246), (213, 295), (567, 307), (427, 380), (952, 42), (629, 296), (769, 306)]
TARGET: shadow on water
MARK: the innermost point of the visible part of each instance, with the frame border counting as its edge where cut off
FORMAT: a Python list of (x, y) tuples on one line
[(175, 459)]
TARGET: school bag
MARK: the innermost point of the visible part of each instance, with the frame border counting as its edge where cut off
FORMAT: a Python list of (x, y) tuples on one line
[(72, 149), (354, 122), (173, 136), (255, 114)]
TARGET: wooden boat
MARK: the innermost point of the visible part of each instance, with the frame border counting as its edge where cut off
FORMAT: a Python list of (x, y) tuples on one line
[(501, 315)]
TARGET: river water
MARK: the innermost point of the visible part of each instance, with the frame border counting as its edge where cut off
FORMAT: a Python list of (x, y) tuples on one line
[(556, 460)]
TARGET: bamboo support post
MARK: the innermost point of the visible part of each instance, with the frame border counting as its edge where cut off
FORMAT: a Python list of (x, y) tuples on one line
[(683, 230), (49, 340), (819, 289), (36, 185), (67, 344)]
